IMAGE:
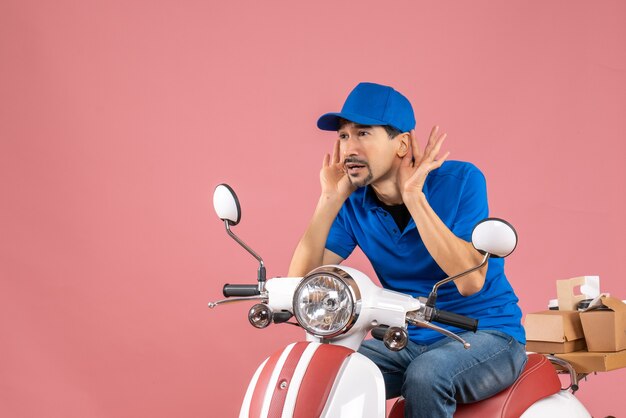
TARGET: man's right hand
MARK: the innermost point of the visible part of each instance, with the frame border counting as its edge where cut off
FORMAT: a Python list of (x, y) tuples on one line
[(333, 177)]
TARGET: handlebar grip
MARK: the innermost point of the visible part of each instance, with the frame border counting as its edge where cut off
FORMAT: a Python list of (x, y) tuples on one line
[(456, 320), (282, 316), (240, 290), (379, 332)]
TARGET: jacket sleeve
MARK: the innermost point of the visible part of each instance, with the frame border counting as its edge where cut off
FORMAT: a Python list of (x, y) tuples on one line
[(473, 205)]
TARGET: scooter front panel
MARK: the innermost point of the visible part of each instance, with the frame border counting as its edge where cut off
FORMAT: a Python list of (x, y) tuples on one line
[(359, 391), (263, 390), (284, 378), (319, 379), (294, 382), (244, 412)]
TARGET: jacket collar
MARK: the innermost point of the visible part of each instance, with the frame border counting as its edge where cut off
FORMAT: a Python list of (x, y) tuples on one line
[(370, 202)]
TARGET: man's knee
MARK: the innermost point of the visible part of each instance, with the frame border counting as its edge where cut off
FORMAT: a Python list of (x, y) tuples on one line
[(426, 375)]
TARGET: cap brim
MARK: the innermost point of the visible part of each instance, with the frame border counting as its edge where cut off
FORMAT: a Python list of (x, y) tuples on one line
[(330, 121)]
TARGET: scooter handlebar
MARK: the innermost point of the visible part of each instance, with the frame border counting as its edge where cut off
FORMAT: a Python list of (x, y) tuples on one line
[(240, 290), (379, 332), (455, 320)]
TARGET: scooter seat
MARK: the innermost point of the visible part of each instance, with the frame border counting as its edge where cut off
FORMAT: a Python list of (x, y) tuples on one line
[(537, 381)]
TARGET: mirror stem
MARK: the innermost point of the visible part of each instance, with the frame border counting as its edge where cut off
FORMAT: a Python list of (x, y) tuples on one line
[(432, 298), (261, 271)]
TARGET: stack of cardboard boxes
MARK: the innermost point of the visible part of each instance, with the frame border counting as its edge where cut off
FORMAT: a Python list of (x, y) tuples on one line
[(592, 340)]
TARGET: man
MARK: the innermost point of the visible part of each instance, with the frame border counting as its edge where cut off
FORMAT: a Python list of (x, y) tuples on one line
[(412, 214)]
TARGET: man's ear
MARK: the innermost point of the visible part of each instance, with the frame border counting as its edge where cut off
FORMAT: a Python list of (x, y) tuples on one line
[(404, 141)]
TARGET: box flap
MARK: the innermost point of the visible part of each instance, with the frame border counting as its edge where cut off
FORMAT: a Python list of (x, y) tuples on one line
[(567, 291), (548, 347), (613, 304)]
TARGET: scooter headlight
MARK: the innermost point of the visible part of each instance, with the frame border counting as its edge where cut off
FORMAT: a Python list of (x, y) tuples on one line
[(327, 302)]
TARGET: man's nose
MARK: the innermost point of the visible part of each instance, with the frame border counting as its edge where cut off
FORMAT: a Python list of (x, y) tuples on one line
[(350, 147)]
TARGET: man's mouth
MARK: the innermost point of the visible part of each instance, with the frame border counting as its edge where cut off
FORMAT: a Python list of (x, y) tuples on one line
[(353, 168)]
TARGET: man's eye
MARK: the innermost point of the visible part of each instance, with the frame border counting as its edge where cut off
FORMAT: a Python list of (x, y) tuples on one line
[(343, 136), (363, 133)]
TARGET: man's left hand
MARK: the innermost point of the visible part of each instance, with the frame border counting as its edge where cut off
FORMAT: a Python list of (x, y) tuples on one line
[(416, 165)]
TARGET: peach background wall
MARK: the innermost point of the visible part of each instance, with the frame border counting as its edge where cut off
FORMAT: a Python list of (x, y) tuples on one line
[(118, 118)]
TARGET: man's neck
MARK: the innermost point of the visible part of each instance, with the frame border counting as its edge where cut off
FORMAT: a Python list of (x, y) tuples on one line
[(388, 192)]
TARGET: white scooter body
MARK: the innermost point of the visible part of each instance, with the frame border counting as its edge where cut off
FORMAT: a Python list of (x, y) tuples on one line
[(357, 387)]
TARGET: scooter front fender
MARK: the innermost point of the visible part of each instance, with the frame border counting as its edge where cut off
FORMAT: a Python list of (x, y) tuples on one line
[(310, 380)]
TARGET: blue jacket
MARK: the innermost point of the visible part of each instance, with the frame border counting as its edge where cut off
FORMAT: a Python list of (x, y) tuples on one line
[(457, 193)]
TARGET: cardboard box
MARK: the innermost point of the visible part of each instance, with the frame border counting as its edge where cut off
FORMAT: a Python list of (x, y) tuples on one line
[(605, 330), (545, 347), (570, 291), (554, 332), (585, 362)]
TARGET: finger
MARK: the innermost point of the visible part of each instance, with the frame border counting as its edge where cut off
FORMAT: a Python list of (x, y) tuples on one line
[(414, 144), (407, 160), (415, 148), (431, 139), (439, 143), (433, 133), (439, 162), (434, 151), (336, 156), (326, 160)]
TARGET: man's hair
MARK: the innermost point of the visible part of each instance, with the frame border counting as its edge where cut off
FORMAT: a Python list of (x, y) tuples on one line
[(391, 131)]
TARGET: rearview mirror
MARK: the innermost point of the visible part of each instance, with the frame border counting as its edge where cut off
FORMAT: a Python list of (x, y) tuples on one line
[(494, 236), (226, 204)]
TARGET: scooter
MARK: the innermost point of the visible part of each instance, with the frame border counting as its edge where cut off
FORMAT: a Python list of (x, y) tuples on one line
[(337, 306)]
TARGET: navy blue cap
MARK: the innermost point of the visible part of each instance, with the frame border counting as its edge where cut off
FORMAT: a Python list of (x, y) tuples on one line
[(372, 104)]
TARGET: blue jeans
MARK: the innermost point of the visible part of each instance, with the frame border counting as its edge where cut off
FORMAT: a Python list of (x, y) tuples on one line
[(433, 378)]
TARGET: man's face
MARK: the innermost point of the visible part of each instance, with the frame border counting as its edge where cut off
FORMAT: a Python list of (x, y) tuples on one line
[(367, 153)]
